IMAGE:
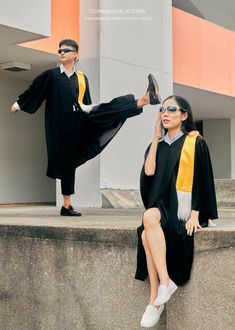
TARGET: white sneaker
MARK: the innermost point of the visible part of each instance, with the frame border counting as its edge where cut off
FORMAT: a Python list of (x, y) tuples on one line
[(151, 316), (164, 293)]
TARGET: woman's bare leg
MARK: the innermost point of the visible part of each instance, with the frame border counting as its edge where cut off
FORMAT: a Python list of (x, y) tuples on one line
[(156, 242), (153, 275)]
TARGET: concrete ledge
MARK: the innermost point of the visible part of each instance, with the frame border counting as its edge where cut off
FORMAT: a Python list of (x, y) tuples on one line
[(207, 239), (98, 226), (130, 198), (62, 273)]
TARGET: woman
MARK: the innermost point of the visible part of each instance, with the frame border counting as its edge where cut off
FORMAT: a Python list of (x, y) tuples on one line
[(177, 190)]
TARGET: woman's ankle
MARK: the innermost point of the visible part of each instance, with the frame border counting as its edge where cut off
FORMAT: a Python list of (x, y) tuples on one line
[(165, 281)]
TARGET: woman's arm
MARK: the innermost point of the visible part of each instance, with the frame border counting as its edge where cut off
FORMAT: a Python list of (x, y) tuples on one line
[(150, 163)]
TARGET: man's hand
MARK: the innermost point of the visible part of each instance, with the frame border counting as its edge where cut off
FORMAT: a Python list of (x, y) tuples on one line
[(13, 110)]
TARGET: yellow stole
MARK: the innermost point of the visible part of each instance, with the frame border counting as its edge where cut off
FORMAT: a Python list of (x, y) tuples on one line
[(186, 167), (184, 182), (81, 86)]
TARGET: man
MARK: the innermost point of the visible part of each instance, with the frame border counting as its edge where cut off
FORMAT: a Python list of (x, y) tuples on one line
[(76, 131)]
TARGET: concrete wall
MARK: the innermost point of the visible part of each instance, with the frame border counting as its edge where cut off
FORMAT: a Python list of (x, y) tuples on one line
[(217, 133), (232, 121), (27, 15), (89, 30), (83, 278), (23, 151), (131, 46), (88, 175)]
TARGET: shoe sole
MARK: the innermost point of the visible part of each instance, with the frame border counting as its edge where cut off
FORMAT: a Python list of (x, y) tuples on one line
[(154, 82), (66, 215), (154, 100)]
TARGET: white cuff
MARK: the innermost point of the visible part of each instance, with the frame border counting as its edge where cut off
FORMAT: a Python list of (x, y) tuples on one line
[(16, 105), (87, 108)]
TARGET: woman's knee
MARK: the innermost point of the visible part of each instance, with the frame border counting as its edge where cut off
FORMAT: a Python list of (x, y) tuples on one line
[(144, 239), (151, 217)]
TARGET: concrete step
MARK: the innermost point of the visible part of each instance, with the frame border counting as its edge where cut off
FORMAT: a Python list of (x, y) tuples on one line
[(225, 192), (226, 213), (130, 198), (121, 198), (78, 273)]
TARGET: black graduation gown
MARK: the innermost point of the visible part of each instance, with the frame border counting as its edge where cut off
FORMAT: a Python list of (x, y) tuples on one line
[(159, 191), (73, 137)]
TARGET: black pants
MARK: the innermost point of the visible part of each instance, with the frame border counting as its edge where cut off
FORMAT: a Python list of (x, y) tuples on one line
[(67, 186)]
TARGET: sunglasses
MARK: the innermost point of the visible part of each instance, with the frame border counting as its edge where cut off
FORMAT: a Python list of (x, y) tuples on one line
[(65, 50), (170, 108)]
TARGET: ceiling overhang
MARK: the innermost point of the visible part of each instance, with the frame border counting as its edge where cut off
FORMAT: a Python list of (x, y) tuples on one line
[(205, 104), (216, 11)]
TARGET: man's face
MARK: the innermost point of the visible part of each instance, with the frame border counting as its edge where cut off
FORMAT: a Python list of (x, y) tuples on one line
[(67, 54)]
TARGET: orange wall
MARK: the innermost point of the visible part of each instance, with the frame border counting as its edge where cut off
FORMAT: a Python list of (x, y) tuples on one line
[(64, 24), (203, 54)]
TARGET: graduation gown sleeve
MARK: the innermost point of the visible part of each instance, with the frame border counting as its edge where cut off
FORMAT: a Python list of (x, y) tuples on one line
[(203, 195), (37, 92), (145, 182)]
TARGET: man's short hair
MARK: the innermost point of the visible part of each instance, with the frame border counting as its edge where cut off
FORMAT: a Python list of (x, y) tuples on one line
[(69, 42)]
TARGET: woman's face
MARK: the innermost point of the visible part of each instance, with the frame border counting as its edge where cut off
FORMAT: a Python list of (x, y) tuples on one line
[(172, 120)]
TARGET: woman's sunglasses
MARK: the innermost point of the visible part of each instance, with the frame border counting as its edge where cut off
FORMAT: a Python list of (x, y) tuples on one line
[(170, 108), (65, 50)]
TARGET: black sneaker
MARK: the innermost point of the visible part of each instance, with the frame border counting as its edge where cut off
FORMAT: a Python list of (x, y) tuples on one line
[(69, 212)]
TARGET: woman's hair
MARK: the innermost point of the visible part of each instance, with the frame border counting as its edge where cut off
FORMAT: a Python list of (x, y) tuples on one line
[(69, 42), (188, 124)]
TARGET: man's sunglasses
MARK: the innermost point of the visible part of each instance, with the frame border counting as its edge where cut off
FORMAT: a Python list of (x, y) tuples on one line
[(65, 50), (170, 108)]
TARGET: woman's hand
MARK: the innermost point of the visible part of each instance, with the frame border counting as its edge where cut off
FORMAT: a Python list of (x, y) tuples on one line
[(192, 225), (157, 131), (150, 162)]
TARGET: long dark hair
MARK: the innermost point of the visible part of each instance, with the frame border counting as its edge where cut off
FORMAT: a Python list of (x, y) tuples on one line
[(188, 124)]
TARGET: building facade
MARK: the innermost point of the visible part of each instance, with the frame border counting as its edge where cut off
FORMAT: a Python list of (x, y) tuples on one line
[(189, 46)]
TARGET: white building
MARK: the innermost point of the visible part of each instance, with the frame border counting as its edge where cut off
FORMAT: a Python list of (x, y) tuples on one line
[(188, 45)]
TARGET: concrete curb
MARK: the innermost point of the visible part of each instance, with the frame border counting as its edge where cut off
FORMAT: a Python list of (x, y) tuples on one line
[(206, 239)]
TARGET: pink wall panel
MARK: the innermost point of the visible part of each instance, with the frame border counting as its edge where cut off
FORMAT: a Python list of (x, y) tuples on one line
[(203, 54)]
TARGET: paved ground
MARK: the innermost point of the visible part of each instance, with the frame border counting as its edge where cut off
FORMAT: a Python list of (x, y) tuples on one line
[(92, 218)]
